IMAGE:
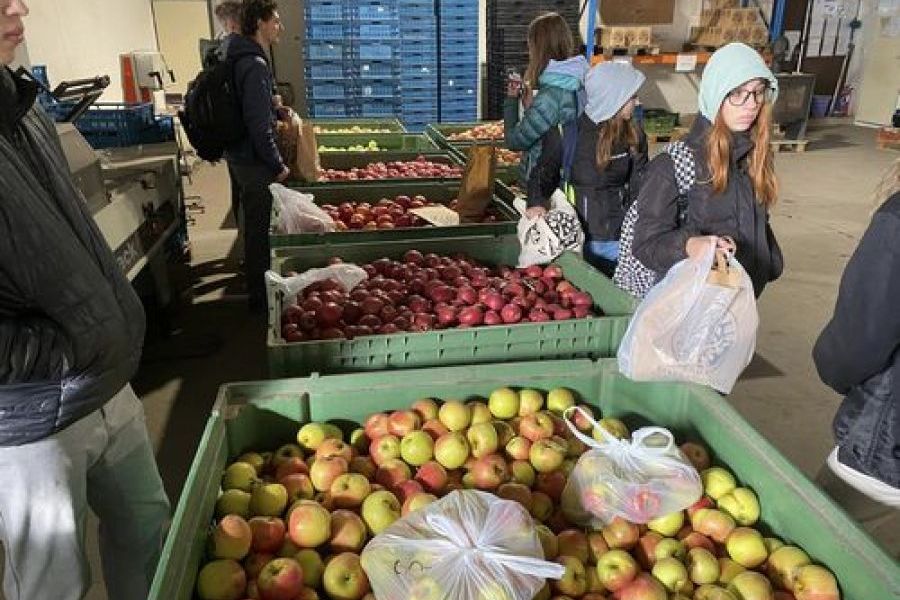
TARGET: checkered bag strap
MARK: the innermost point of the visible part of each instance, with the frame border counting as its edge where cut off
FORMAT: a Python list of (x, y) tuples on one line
[(685, 174)]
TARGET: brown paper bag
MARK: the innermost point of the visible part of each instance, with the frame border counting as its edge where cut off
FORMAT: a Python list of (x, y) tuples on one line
[(477, 186), (297, 144)]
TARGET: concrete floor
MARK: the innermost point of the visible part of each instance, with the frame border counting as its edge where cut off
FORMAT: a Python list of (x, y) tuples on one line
[(825, 204)]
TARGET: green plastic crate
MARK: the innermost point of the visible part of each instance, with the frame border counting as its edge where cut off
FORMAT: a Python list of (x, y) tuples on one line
[(434, 191), (348, 160), (386, 123), (439, 132), (262, 415), (397, 142), (592, 337)]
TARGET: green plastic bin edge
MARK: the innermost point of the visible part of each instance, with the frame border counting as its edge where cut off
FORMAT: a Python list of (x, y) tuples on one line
[(391, 123)]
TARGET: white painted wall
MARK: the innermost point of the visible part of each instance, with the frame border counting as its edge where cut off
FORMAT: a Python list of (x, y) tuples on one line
[(83, 38), (879, 67), (180, 25)]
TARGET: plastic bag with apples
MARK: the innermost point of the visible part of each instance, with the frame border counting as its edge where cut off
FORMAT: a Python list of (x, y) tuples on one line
[(348, 275), (638, 480), (469, 545), (297, 213)]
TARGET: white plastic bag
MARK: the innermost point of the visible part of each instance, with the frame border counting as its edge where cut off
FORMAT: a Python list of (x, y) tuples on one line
[(544, 238), (469, 545), (348, 275), (638, 480), (689, 329), (297, 213)]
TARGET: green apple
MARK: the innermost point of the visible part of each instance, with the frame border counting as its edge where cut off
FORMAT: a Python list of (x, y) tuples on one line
[(239, 476), (480, 412), (751, 585), (253, 458), (613, 427), (616, 569), (522, 472), (221, 580), (742, 504), (530, 402), (773, 544), (231, 538), (671, 573), (667, 525), (379, 510), (425, 588), (746, 547), (451, 450), (728, 569), (670, 548), (560, 399), (359, 440), (344, 578), (313, 566), (782, 566), (546, 455), (417, 448), (455, 415), (702, 566), (427, 409), (548, 541), (268, 500), (712, 592), (324, 471), (349, 490), (812, 582), (541, 506), (309, 524), (482, 439), (333, 432), (717, 482), (537, 426), (494, 591), (504, 403), (574, 581), (416, 501), (233, 502), (384, 448), (311, 435)]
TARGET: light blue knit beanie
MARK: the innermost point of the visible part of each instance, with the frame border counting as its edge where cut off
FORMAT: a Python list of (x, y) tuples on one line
[(730, 67)]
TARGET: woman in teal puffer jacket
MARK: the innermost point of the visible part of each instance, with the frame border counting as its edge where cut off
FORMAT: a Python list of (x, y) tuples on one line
[(559, 79)]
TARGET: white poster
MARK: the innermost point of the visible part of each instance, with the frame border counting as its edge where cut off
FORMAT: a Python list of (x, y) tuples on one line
[(814, 45)]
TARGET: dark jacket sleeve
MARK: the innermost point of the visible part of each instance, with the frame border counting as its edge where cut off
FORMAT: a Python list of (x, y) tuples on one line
[(544, 178), (639, 162), (32, 350), (864, 333), (256, 103), (537, 120), (658, 241)]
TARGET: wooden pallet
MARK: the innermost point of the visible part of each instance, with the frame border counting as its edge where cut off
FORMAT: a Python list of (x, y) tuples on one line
[(613, 51), (789, 145), (692, 47), (888, 137)]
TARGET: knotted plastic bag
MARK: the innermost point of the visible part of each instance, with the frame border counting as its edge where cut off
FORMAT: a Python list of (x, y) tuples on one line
[(638, 480), (348, 275), (295, 212), (469, 545)]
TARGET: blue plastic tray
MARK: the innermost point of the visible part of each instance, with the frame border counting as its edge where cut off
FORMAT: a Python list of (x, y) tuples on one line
[(370, 51), (380, 90), (330, 90), (375, 12), (379, 108), (377, 70), (325, 31), (324, 50), (325, 69)]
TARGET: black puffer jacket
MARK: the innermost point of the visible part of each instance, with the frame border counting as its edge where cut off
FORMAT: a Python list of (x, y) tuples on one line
[(858, 352), (658, 241), (71, 326), (602, 197)]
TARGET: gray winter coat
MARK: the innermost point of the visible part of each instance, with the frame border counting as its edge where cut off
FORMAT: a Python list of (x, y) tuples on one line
[(71, 326)]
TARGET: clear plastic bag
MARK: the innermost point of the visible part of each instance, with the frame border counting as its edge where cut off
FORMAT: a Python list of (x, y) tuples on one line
[(694, 327), (544, 238), (638, 480), (297, 213), (469, 545), (348, 275)]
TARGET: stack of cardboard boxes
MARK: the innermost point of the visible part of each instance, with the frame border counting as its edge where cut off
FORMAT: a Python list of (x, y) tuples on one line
[(726, 22), (632, 36)]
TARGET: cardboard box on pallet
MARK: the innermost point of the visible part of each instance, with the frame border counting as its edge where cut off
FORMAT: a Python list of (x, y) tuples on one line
[(625, 37)]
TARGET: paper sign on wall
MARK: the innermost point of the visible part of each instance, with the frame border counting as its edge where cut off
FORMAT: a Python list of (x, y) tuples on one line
[(685, 63)]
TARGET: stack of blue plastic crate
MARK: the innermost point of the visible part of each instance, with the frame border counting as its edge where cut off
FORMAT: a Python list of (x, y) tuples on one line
[(459, 60), (331, 90), (418, 29), (375, 56)]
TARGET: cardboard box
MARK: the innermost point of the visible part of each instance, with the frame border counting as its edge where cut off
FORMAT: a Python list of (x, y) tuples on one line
[(625, 37), (638, 12)]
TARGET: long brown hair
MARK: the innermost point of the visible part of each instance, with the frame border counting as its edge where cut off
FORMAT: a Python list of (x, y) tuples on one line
[(761, 164), (613, 131), (549, 38)]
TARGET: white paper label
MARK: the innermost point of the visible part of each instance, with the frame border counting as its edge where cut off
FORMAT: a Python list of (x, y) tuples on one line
[(685, 63), (437, 215)]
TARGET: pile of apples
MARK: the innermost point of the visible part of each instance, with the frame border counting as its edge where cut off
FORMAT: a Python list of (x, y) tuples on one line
[(420, 168), (486, 131), (291, 524), (508, 158), (354, 129), (372, 146), (425, 292), (387, 213)]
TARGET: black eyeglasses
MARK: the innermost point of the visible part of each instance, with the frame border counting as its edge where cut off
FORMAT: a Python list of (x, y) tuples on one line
[(739, 96)]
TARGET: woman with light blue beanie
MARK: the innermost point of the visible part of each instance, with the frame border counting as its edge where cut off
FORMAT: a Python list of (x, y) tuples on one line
[(719, 182), (610, 157)]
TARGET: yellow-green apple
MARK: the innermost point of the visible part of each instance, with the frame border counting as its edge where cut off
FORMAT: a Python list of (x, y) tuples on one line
[(344, 578), (530, 402), (286, 452), (697, 454), (281, 579), (393, 472), (552, 484), (298, 487), (434, 428), (667, 525), (742, 504), (268, 500), (267, 533), (455, 415), (253, 458), (697, 540), (333, 447), (594, 585), (575, 448), (620, 534), (597, 546), (308, 593), (728, 569), (560, 399), (573, 542), (233, 502), (548, 541), (406, 489), (610, 426), (812, 582), (645, 551), (384, 448), (325, 470), (537, 426), (425, 588), (451, 450), (516, 492), (311, 435), (643, 587), (616, 569), (313, 566), (671, 573), (482, 439), (702, 566), (417, 448), (376, 426), (544, 593), (480, 412), (332, 431), (751, 585), (773, 544), (426, 408), (670, 547), (359, 440), (717, 482), (541, 506), (746, 547), (416, 501), (505, 432), (490, 471), (232, 538), (432, 476), (309, 524), (402, 422), (379, 510), (574, 580), (494, 591), (546, 455), (522, 472), (708, 591), (348, 532), (239, 476), (518, 448), (713, 523), (364, 465), (288, 548), (294, 464), (504, 403), (349, 490), (782, 565), (254, 562), (468, 481), (221, 580)]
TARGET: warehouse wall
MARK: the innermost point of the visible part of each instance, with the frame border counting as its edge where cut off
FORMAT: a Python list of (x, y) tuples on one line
[(880, 80), (84, 38), (180, 25)]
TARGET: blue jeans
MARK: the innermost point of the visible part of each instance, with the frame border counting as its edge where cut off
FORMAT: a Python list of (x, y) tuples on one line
[(602, 255)]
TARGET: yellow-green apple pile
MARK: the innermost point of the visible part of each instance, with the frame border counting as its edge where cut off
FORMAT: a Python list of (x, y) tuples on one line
[(291, 524)]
